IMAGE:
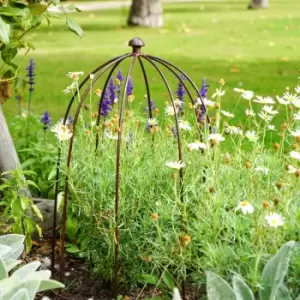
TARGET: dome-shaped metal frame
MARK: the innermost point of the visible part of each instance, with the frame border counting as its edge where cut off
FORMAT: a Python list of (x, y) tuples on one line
[(111, 66)]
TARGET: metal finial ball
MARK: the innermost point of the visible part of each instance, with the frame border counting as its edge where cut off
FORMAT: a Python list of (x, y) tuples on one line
[(136, 43)]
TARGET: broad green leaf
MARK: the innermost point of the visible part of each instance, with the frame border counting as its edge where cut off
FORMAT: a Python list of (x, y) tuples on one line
[(298, 298), (39, 275), (217, 288), (25, 270), (150, 279), (30, 182), (16, 208), (4, 186), (283, 293), (73, 249), (17, 3), (71, 228), (72, 7), (20, 12), (24, 203), (11, 263), (21, 294), (74, 27), (39, 230), (52, 174), (168, 280), (37, 9), (50, 284), (3, 270), (15, 243), (28, 243), (275, 271), (30, 286), (4, 32), (28, 163), (241, 289), (37, 211)]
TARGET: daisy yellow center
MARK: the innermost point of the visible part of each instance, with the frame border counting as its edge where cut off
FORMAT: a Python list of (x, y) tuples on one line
[(244, 203)]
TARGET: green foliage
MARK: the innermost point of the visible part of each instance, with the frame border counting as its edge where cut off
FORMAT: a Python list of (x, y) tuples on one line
[(36, 153), (17, 18), (16, 208), (26, 281), (271, 288)]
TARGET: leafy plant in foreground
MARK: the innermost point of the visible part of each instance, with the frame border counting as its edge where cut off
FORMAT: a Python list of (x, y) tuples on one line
[(271, 284), (26, 281), (17, 208)]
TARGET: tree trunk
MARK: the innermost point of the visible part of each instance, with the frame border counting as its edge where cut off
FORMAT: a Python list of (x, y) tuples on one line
[(147, 13), (259, 4), (8, 156)]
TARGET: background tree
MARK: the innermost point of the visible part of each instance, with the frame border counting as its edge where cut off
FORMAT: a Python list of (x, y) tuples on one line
[(147, 13), (258, 4)]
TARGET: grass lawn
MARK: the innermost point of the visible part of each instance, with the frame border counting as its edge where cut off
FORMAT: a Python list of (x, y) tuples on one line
[(257, 50)]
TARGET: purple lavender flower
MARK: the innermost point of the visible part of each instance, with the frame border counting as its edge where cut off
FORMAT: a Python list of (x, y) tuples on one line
[(46, 120), (106, 104), (152, 106), (203, 93), (30, 74), (69, 120), (180, 92), (129, 87), (120, 76), (112, 88), (204, 88)]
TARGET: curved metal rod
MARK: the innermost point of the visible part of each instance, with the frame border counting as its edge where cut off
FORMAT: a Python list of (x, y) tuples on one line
[(167, 65), (84, 82), (66, 191), (103, 92), (176, 120), (181, 186), (147, 87), (117, 196)]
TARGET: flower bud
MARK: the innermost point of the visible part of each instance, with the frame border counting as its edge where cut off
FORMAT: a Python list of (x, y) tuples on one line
[(248, 164), (266, 204), (154, 216), (276, 146)]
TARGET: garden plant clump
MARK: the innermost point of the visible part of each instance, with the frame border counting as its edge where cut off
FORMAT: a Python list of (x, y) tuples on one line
[(237, 204)]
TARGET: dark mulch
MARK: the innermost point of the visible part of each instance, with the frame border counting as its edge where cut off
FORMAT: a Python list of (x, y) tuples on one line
[(81, 285)]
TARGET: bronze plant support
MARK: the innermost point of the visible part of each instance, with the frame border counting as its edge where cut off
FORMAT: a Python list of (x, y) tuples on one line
[(135, 55)]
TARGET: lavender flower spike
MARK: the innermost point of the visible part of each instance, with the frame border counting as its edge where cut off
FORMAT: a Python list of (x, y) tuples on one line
[(46, 120), (30, 74), (129, 87)]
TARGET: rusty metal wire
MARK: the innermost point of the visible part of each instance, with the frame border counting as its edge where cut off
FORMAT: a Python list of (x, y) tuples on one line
[(136, 56)]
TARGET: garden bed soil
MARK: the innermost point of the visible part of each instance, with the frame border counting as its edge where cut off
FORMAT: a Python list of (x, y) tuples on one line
[(81, 285)]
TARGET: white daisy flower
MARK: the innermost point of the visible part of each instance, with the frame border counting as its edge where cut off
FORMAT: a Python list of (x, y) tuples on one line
[(227, 114), (70, 88), (264, 100), (92, 76), (282, 101), (61, 131), (175, 165), (263, 170), (297, 116), (233, 130), (296, 103), (169, 111), (247, 95), (239, 90), (297, 89), (251, 136), (250, 113), (291, 169), (218, 93), (266, 117), (274, 220), (269, 109), (197, 146), (296, 133), (177, 103), (209, 103), (245, 207), (75, 75), (152, 122), (291, 97), (295, 155), (184, 125), (216, 137), (271, 127)]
